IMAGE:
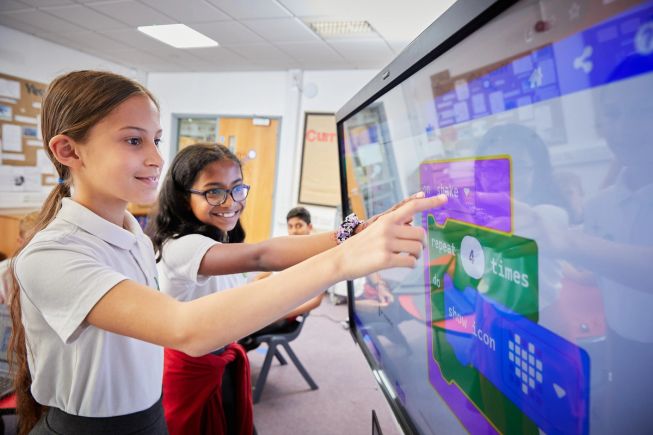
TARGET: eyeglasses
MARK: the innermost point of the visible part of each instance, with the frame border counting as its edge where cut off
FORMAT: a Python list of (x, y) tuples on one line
[(219, 196)]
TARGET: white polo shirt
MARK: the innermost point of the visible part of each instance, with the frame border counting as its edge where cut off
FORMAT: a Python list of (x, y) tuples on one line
[(179, 269), (63, 273)]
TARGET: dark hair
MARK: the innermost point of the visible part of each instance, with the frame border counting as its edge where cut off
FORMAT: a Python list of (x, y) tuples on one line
[(72, 105), (301, 213), (172, 217)]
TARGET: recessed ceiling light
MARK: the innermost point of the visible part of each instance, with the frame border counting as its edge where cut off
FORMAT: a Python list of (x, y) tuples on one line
[(178, 35), (328, 29)]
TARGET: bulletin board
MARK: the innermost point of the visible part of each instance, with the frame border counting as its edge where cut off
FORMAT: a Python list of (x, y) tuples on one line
[(319, 182), (24, 163)]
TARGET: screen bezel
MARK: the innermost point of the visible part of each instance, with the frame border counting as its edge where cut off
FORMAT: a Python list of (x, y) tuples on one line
[(459, 21)]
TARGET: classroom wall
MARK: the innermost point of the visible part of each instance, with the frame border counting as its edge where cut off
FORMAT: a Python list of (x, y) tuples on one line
[(32, 58)]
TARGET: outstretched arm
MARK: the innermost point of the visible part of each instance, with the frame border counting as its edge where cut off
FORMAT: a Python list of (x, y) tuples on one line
[(310, 305), (277, 253), (274, 254), (205, 324)]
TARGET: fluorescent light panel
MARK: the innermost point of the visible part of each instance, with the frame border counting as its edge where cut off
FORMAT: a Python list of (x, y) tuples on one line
[(341, 28), (178, 35)]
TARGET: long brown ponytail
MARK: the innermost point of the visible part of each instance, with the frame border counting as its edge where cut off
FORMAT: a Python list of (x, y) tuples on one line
[(72, 105)]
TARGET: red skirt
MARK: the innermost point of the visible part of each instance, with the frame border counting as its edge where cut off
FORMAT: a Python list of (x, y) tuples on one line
[(192, 392)]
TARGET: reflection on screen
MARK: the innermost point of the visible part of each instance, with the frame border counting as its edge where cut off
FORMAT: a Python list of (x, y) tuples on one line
[(531, 311)]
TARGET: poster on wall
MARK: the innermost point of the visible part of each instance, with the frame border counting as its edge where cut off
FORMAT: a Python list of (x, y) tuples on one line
[(24, 166), (319, 179)]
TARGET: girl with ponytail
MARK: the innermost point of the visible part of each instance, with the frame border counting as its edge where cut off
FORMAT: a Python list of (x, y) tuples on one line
[(89, 322)]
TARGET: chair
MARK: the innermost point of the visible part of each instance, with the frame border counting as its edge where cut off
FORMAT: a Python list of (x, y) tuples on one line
[(274, 341)]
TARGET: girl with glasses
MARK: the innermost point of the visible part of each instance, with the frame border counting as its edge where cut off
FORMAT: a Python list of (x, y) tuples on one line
[(198, 212)]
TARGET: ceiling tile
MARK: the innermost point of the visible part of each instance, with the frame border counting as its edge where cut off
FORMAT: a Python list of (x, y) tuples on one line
[(188, 11), (228, 32), (138, 40), (241, 10), (141, 42), (375, 50), (58, 38), (282, 30), (11, 5), (278, 64), (132, 13), (217, 59), (84, 17), (91, 41), (216, 54), (323, 64), (260, 52), (143, 60), (371, 64), (45, 3), (306, 51), (14, 23), (41, 20), (303, 8)]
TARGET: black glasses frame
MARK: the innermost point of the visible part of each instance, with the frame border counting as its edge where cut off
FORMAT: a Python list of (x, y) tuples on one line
[(225, 192)]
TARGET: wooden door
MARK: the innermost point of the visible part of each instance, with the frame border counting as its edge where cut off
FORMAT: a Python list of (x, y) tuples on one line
[(247, 139)]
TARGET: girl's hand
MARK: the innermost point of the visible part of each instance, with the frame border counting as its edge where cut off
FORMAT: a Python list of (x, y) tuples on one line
[(390, 242), (373, 219)]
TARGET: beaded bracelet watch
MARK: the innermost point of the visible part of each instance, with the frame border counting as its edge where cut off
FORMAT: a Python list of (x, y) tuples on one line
[(348, 228)]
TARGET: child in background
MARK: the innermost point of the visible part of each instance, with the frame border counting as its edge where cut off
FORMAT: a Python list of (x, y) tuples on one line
[(26, 224), (85, 283), (298, 220)]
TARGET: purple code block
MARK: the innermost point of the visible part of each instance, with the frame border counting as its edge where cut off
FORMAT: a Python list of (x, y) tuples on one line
[(479, 191)]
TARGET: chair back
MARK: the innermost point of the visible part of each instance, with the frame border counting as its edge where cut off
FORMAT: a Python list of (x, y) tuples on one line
[(289, 332)]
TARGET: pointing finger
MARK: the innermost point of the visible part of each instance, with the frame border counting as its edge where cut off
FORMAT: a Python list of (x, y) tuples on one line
[(405, 213)]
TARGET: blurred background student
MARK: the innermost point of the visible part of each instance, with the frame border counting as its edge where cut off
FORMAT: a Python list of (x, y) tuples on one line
[(299, 224)]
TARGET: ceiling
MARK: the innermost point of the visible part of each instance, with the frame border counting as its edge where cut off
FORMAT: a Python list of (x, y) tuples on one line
[(254, 35)]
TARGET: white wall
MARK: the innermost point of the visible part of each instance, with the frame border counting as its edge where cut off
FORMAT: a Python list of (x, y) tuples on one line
[(32, 58), (271, 94)]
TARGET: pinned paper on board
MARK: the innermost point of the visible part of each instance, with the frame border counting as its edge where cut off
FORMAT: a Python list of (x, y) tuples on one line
[(26, 119), (31, 132), (10, 88), (23, 173), (19, 179), (12, 138), (6, 112)]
